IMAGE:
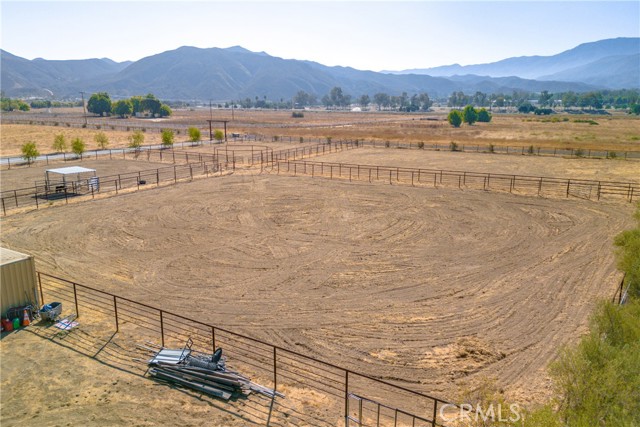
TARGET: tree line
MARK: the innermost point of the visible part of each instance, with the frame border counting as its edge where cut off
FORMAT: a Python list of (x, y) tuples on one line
[(100, 103), (528, 101)]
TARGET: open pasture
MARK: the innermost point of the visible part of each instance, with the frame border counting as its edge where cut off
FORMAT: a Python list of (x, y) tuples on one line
[(434, 289), (588, 169)]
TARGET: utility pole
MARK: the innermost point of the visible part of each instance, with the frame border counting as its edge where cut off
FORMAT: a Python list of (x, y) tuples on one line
[(210, 120), (84, 109)]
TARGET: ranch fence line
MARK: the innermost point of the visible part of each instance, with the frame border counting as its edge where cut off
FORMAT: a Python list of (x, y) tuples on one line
[(185, 167), (130, 125), (238, 154), (507, 149), (521, 184), (349, 395)]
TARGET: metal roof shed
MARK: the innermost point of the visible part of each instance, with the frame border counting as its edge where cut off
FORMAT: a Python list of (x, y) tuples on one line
[(18, 283), (69, 174), (70, 179)]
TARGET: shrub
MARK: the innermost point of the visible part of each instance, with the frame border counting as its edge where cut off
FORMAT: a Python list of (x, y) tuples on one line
[(484, 116), (194, 134), (387, 144), (612, 155), (78, 146), (453, 146), (492, 148), (29, 151), (470, 115), (136, 140), (599, 379), (59, 143), (455, 118), (218, 135), (101, 139), (579, 152), (542, 111), (297, 114), (167, 138), (421, 145), (530, 150)]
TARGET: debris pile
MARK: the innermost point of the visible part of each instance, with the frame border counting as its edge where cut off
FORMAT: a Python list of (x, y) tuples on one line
[(205, 373)]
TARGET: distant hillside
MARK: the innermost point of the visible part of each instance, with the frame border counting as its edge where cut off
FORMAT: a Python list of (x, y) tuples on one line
[(235, 73), (22, 77), (615, 72), (602, 63)]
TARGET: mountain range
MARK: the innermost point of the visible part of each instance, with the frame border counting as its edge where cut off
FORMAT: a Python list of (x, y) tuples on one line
[(190, 73)]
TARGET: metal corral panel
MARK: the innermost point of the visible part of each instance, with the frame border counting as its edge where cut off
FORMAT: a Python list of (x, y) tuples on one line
[(18, 281)]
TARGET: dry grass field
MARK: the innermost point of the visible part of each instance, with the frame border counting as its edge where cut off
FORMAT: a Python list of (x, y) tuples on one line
[(618, 132), (435, 289)]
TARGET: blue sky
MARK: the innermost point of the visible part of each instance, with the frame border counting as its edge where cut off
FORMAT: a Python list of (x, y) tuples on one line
[(371, 35)]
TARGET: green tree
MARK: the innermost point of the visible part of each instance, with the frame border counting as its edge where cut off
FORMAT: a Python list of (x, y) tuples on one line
[(545, 98), (136, 104), (151, 104), (29, 151), (99, 104), (382, 99), (167, 138), (484, 116), (218, 135), (101, 139), (455, 118), (123, 108), (165, 111), (635, 109), (78, 146), (59, 143), (136, 140), (470, 115), (194, 134)]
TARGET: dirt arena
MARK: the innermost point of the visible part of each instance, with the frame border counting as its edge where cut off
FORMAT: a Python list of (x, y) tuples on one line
[(436, 287)]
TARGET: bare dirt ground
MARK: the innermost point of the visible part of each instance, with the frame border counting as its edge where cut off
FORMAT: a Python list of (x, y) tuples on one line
[(436, 289), (593, 169)]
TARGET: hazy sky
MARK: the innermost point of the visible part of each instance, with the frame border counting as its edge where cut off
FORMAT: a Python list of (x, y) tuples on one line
[(371, 35)]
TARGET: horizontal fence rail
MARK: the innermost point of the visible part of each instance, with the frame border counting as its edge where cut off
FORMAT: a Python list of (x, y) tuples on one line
[(507, 149), (521, 184), (270, 364)]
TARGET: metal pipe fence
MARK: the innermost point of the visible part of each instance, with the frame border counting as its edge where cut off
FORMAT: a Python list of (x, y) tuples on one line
[(275, 366), (508, 149), (42, 195), (520, 184)]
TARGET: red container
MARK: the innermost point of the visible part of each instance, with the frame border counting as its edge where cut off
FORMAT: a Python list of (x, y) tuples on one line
[(7, 325)]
